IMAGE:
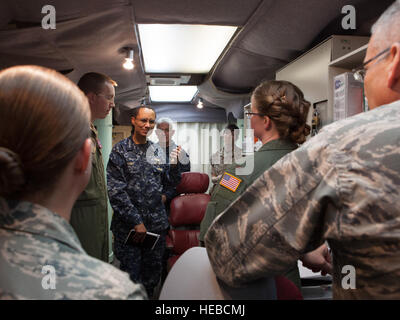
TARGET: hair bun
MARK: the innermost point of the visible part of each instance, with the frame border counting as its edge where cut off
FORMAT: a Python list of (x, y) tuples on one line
[(284, 104), (270, 99), (11, 173), (299, 135)]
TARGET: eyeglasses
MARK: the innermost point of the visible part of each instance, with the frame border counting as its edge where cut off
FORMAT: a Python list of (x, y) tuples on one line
[(359, 73), (109, 98), (144, 121), (250, 114)]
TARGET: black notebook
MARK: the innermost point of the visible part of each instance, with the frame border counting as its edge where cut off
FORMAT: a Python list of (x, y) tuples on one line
[(149, 241)]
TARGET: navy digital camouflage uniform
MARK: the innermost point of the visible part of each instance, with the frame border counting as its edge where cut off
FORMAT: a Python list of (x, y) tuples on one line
[(32, 237), (342, 186), (136, 181)]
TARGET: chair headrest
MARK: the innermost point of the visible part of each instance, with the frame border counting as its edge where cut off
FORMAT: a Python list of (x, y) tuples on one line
[(193, 182), (188, 209)]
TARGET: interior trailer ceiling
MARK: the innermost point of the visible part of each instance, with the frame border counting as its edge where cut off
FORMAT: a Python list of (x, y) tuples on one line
[(89, 36)]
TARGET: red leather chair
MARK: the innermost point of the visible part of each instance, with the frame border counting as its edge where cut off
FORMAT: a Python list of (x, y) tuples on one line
[(286, 289), (186, 212)]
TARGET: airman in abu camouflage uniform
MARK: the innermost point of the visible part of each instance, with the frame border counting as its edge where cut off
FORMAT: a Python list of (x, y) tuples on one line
[(41, 176), (32, 237), (226, 156), (139, 183), (342, 186)]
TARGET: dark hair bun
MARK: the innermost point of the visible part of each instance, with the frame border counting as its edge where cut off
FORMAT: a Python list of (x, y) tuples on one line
[(299, 135), (11, 173)]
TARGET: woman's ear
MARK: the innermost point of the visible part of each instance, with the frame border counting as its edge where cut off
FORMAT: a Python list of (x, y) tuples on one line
[(267, 122), (83, 158), (393, 79)]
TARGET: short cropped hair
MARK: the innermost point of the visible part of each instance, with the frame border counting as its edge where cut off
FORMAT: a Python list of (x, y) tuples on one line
[(387, 28), (134, 112), (93, 82)]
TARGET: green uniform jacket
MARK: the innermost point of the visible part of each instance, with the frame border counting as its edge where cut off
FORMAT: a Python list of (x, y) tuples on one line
[(222, 197), (89, 216)]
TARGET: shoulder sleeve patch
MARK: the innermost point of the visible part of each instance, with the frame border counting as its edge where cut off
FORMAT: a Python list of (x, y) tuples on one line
[(230, 182)]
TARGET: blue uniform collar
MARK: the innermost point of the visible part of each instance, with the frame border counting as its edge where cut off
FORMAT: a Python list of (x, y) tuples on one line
[(130, 145)]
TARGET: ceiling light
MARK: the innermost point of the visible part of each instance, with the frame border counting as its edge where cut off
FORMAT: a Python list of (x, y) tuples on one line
[(172, 93), (200, 103), (178, 48), (128, 65)]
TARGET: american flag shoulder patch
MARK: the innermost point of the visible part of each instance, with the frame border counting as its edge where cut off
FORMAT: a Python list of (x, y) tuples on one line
[(230, 182)]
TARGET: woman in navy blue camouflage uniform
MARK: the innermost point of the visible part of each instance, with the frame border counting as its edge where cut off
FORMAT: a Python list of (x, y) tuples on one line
[(139, 184)]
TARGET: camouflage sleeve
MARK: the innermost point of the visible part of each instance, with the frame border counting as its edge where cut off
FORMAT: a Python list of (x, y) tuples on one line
[(170, 185), (277, 219), (184, 162), (170, 180), (169, 193), (168, 189), (116, 186), (174, 176), (213, 169), (184, 167)]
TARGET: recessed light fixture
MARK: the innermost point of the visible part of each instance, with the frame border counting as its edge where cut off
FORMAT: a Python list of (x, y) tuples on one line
[(128, 65), (179, 48), (200, 103), (172, 93)]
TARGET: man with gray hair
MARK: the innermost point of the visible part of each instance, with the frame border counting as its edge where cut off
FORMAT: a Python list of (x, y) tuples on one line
[(164, 132), (342, 186)]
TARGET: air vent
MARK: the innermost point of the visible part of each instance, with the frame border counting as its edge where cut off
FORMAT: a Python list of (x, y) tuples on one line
[(165, 82), (170, 81)]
